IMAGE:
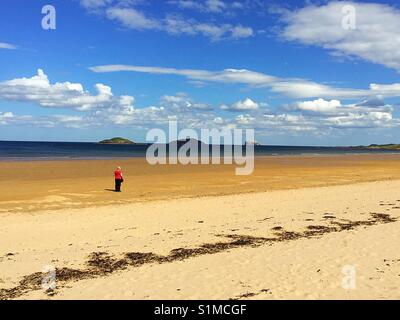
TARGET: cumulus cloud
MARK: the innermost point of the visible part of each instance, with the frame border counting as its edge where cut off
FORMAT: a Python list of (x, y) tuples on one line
[(307, 116), (289, 123), (363, 120), (320, 106), (245, 105), (96, 110), (321, 117), (335, 106), (334, 114), (294, 88), (374, 38), (105, 109), (38, 89)]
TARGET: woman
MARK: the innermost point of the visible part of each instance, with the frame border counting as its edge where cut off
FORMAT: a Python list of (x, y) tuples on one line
[(118, 179)]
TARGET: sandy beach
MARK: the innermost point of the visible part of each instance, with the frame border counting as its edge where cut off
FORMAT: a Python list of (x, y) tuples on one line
[(289, 231), (176, 152)]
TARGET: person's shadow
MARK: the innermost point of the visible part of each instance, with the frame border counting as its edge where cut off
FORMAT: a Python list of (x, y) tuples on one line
[(111, 190)]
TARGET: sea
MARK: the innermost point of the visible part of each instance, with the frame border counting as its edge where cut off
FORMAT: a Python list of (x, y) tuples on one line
[(24, 150)]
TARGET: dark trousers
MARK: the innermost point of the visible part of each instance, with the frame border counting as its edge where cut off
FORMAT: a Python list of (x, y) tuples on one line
[(118, 185)]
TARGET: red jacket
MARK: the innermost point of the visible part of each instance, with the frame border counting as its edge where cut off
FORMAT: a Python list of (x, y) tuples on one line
[(118, 174)]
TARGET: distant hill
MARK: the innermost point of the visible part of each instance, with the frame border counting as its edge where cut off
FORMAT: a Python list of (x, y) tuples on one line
[(384, 146), (117, 140), (391, 146)]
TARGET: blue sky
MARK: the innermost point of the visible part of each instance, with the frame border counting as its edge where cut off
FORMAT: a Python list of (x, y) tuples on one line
[(299, 73)]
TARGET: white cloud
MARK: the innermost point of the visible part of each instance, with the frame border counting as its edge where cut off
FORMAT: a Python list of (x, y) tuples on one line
[(375, 37), (48, 121), (386, 90), (245, 119), (225, 76), (295, 88), (132, 19), (362, 120), (95, 110), (38, 89), (334, 114), (176, 25), (242, 32), (4, 45), (320, 105), (209, 6), (94, 4), (5, 117), (182, 103), (69, 121), (104, 109), (288, 123), (188, 4), (215, 5), (322, 117), (245, 105)]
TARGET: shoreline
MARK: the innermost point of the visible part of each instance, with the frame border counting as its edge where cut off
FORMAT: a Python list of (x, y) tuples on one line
[(36, 159)]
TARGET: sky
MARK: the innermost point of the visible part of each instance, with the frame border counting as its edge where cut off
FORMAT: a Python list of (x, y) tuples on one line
[(297, 72)]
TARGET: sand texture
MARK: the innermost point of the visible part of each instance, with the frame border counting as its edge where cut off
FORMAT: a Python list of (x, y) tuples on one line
[(267, 240)]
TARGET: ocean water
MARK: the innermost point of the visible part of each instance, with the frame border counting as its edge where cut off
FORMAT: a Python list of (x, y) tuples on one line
[(18, 150)]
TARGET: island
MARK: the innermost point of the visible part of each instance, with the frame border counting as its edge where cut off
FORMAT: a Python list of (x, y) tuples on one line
[(117, 140)]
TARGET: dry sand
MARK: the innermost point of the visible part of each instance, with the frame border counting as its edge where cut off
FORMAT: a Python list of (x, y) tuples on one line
[(297, 223)]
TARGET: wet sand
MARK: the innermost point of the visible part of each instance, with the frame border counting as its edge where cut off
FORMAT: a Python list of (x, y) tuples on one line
[(49, 185)]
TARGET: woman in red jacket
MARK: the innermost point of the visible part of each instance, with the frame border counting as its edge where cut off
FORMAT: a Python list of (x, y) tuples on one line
[(118, 179)]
